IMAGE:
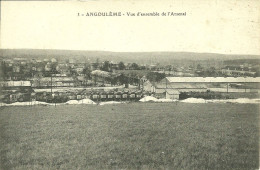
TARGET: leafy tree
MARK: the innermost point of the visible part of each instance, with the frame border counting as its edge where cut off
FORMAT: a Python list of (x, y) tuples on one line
[(72, 72), (53, 69), (142, 68), (87, 72), (212, 69), (106, 66), (155, 76), (134, 66), (199, 67), (123, 79), (2, 71), (121, 66)]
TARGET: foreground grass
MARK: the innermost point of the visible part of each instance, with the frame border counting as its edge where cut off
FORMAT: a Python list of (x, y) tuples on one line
[(130, 136)]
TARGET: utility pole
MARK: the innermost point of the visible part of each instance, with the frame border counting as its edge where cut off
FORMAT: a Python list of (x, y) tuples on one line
[(139, 83), (51, 83), (227, 87)]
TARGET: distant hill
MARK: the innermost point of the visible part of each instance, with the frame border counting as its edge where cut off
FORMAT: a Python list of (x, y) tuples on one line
[(138, 57), (240, 61)]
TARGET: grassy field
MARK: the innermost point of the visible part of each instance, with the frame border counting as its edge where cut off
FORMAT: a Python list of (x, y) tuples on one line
[(130, 136)]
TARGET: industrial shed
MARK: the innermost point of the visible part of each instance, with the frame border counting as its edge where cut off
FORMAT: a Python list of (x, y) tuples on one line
[(212, 79), (197, 84), (54, 82), (163, 85)]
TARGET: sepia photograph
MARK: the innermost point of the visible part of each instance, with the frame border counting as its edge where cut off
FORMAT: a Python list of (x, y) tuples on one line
[(127, 84)]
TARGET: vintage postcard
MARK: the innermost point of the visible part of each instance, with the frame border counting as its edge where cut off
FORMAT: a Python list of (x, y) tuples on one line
[(126, 84)]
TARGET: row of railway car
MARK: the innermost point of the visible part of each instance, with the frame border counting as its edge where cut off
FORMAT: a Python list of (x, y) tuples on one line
[(95, 96)]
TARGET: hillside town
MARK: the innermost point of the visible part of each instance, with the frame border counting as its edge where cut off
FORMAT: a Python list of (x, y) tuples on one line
[(51, 80)]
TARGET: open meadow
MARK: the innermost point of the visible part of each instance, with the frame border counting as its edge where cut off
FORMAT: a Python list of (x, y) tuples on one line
[(130, 136)]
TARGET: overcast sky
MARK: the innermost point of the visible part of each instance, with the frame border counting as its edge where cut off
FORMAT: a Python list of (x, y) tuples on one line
[(220, 26)]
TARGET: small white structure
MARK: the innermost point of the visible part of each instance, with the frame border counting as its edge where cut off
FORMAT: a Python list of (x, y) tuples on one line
[(172, 94), (15, 83)]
